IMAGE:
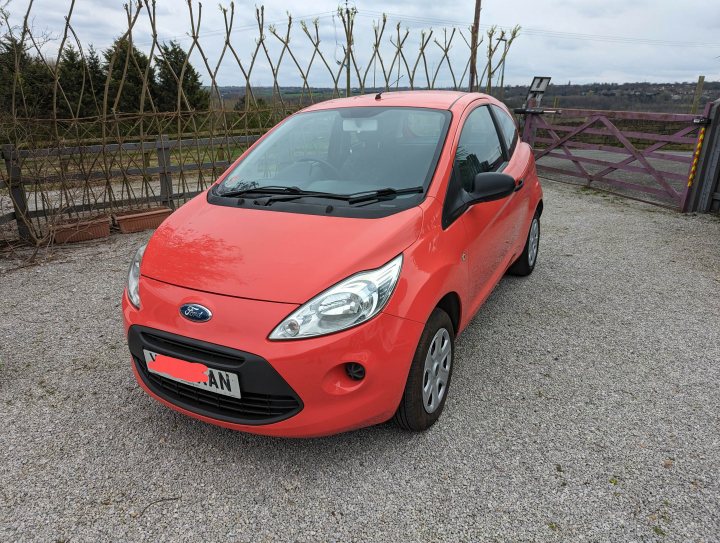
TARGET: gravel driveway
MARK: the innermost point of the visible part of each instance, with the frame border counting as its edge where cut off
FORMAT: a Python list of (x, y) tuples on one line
[(585, 406)]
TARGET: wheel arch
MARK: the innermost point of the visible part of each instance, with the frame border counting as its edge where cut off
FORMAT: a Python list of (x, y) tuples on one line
[(450, 303)]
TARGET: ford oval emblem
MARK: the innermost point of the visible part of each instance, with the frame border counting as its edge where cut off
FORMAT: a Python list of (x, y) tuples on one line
[(195, 312)]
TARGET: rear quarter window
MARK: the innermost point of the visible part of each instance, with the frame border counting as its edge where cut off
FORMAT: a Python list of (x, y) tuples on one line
[(508, 128)]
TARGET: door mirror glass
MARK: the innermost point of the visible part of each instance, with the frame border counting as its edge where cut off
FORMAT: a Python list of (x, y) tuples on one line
[(491, 186)]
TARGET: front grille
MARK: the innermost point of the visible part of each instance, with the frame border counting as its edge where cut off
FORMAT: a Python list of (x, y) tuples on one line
[(180, 348), (251, 407), (266, 396)]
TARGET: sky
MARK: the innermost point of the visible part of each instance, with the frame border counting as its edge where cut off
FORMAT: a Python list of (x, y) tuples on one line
[(579, 41)]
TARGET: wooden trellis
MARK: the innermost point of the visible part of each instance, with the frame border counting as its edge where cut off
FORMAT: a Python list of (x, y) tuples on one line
[(71, 163)]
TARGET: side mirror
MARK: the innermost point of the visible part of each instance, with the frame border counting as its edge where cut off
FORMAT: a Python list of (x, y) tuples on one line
[(491, 186)]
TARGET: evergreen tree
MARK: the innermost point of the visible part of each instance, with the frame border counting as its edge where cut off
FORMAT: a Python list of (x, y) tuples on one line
[(71, 75), (83, 83), (171, 60), (130, 88), (33, 87), (96, 82), (7, 73)]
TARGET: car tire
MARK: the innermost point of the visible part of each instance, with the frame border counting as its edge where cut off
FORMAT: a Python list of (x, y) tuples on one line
[(525, 264), (428, 382)]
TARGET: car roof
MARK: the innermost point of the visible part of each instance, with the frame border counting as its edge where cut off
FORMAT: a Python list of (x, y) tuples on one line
[(436, 99)]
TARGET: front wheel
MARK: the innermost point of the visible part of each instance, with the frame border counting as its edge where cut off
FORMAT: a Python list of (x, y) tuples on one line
[(428, 382), (525, 264)]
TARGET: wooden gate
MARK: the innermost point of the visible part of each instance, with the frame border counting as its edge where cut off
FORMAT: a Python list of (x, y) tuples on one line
[(646, 156)]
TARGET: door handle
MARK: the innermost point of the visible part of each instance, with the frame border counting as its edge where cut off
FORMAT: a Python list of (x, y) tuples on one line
[(521, 184)]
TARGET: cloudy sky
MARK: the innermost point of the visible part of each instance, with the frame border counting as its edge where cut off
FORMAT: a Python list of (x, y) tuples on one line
[(571, 40)]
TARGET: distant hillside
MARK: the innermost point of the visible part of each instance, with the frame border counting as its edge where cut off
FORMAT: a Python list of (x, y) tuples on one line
[(661, 97)]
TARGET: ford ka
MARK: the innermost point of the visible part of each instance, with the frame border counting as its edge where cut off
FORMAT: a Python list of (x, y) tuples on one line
[(319, 285)]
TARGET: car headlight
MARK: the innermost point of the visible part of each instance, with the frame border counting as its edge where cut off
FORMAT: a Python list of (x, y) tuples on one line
[(133, 284), (347, 304)]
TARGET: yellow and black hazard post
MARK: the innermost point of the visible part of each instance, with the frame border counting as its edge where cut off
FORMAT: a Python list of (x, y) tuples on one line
[(696, 156)]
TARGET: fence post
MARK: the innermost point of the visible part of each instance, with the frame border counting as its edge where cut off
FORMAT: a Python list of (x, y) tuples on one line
[(146, 164), (702, 194), (166, 186), (528, 126), (17, 191)]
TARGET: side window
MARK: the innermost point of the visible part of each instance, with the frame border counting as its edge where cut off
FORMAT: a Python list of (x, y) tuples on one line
[(479, 148), (508, 128)]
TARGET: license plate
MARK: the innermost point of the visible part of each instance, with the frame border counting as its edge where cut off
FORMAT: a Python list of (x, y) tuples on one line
[(217, 381)]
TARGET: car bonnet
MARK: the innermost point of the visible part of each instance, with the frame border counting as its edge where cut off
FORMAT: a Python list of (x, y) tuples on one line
[(270, 255)]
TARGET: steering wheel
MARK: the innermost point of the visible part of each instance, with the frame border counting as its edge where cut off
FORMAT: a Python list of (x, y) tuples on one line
[(325, 164)]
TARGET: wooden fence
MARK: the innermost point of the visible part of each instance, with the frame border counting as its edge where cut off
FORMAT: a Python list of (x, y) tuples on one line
[(83, 184)]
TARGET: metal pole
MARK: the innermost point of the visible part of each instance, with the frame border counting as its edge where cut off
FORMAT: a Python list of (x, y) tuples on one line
[(474, 46)]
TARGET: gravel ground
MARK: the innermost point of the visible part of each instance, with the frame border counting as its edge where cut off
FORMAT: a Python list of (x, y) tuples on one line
[(585, 407)]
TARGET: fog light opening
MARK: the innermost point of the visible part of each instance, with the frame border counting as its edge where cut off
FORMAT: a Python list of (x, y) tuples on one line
[(355, 371)]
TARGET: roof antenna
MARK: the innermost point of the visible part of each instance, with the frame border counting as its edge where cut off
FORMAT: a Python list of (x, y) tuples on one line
[(378, 96)]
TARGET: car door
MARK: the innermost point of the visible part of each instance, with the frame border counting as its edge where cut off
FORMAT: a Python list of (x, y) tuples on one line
[(517, 165), (490, 225)]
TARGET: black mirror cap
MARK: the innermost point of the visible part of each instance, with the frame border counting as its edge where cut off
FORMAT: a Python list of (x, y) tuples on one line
[(489, 186)]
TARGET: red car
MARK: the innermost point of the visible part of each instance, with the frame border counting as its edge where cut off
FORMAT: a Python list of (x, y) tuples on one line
[(320, 284)]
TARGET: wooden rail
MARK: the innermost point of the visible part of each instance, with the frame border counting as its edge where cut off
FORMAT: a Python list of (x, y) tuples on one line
[(18, 180)]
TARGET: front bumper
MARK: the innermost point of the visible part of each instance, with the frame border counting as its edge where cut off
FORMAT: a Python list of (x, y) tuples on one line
[(310, 372), (266, 397)]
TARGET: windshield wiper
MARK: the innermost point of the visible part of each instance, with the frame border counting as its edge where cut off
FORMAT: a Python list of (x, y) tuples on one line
[(283, 194), (370, 195), (271, 189), (287, 194)]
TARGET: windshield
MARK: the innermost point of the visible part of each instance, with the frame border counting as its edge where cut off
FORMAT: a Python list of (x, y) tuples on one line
[(346, 151)]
